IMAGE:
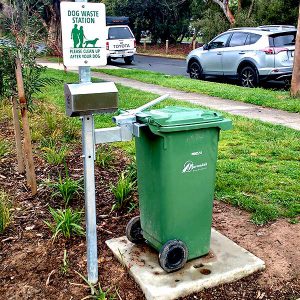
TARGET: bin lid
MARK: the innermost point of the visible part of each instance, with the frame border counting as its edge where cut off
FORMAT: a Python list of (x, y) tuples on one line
[(175, 118)]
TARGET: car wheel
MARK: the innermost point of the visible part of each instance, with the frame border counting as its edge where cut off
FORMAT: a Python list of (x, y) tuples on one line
[(196, 71), (134, 231), (248, 77), (128, 60), (173, 255)]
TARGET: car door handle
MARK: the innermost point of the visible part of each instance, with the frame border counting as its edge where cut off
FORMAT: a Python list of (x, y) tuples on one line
[(219, 53), (242, 52)]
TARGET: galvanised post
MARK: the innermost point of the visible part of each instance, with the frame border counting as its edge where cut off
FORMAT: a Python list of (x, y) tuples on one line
[(88, 144)]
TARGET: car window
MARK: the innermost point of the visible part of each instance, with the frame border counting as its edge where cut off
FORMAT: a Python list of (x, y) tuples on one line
[(283, 39), (119, 33), (238, 39), (252, 38), (220, 41)]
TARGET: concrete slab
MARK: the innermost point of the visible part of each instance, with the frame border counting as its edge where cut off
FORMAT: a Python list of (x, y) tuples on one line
[(225, 263)]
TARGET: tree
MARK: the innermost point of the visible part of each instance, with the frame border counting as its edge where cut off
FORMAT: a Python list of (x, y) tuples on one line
[(295, 85), (165, 19), (20, 74)]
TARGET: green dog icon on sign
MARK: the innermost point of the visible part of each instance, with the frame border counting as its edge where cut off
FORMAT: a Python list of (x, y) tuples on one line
[(78, 37)]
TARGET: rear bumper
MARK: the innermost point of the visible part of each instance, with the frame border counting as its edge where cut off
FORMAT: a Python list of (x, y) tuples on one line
[(278, 76), (281, 73), (121, 54)]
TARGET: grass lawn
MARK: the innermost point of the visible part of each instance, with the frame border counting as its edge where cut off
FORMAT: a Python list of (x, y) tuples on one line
[(259, 96), (258, 166)]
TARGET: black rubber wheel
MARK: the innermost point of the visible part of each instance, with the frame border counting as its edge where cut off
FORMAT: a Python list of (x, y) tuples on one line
[(195, 70), (128, 60), (173, 255), (248, 77), (109, 60), (134, 230)]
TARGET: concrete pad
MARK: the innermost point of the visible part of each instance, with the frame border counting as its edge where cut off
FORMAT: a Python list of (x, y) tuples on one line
[(225, 263)]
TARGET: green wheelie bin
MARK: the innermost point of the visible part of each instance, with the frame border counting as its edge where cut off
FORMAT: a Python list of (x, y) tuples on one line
[(176, 153)]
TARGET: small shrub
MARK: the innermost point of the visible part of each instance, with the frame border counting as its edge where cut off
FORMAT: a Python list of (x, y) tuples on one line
[(4, 148), (64, 269), (121, 191), (54, 155), (104, 156), (66, 222), (97, 293), (5, 206), (66, 188)]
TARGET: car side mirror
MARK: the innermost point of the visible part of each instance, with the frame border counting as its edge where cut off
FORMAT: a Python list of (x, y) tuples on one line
[(206, 47)]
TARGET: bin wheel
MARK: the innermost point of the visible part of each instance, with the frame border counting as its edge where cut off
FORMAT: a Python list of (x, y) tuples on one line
[(173, 255), (134, 230)]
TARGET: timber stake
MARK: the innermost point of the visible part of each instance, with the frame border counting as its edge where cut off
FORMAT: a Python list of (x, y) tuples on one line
[(30, 170)]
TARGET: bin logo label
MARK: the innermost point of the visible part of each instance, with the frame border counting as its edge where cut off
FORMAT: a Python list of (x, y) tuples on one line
[(189, 166)]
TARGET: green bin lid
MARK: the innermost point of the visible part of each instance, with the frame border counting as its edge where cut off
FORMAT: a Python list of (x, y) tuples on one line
[(175, 118)]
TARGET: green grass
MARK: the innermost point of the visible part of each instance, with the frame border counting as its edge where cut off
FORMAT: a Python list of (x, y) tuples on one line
[(65, 222), (4, 148), (258, 166), (66, 188), (5, 215), (259, 96)]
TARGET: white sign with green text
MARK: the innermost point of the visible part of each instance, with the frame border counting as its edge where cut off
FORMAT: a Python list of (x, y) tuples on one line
[(83, 33)]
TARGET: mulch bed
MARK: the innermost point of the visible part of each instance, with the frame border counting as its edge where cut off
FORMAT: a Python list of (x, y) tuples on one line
[(30, 261)]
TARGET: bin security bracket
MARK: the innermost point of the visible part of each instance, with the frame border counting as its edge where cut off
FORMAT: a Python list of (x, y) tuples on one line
[(85, 100)]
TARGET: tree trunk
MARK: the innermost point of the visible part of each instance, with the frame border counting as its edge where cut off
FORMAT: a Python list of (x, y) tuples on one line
[(18, 139), (295, 85), (30, 170), (251, 9), (239, 6), (224, 4)]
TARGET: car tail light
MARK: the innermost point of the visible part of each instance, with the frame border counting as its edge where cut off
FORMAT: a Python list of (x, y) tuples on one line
[(107, 45), (134, 43), (271, 51)]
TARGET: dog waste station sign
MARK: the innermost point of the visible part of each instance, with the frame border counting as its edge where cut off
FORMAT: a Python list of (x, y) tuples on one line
[(83, 34)]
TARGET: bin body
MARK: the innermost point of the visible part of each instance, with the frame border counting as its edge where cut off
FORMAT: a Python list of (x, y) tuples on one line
[(176, 167)]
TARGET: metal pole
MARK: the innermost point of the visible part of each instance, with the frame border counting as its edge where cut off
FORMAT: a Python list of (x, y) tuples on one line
[(88, 145)]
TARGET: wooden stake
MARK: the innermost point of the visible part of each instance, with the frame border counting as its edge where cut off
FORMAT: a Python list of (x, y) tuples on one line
[(194, 44), (18, 139), (145, 44), (31, 177), (295, 84)]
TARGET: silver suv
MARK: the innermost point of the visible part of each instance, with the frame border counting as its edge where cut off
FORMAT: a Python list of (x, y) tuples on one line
[(251, 55)]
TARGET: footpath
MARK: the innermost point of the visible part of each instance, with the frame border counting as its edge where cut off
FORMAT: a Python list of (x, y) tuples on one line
[(274, 116)]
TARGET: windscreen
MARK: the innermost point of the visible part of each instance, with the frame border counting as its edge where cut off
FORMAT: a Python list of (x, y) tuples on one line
[(119, 33), (283, 39)]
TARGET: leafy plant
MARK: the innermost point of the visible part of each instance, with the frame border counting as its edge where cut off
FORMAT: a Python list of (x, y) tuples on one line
[(5, 216), (64, 269), (4, 148), (54, 155), (121, 191), (97, 293), (70, 129), (132, 169), (104, 155), (66, 222), (66, 188)]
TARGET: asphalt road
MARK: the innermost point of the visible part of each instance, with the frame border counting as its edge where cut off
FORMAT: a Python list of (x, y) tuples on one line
[(168, 66), (172, 66)]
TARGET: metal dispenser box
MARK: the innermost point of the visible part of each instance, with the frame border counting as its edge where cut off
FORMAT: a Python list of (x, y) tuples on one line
[(89, 98)]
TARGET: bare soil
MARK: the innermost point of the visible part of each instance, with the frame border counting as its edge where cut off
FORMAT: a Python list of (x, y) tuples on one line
[(31, 263)]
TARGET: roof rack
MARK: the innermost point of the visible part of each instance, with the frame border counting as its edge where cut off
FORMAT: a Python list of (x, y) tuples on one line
[(247, 28), (277, 27), (110, 20)]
